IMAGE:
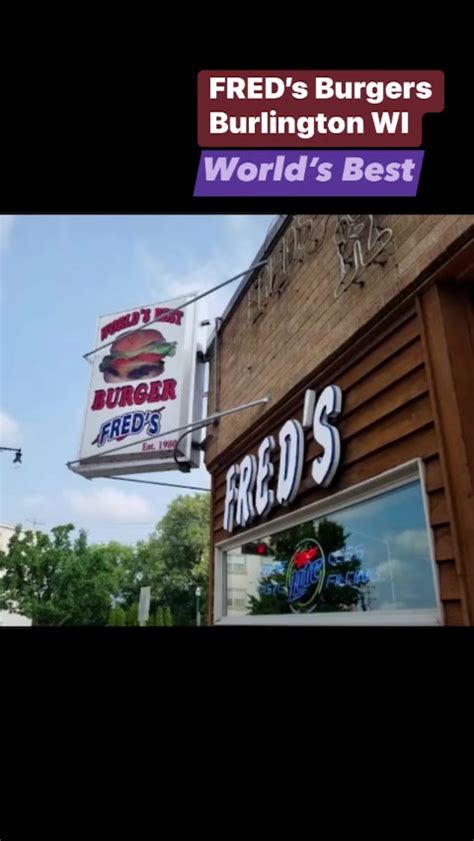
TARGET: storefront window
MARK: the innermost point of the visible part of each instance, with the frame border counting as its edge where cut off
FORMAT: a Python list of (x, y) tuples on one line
[(370, 556)]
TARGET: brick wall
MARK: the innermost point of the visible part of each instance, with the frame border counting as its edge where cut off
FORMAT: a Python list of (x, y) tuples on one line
[(305, 324)]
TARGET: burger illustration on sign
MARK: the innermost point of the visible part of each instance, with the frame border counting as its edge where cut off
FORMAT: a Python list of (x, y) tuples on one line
[(137, 355)]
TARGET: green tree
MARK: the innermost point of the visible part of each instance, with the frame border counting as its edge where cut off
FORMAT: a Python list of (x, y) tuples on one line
[(273, 595), (55, 580), (118, 617), (335, 597), (159, 620), (134, 563), (132, 615), (168, 617), (175, 560)]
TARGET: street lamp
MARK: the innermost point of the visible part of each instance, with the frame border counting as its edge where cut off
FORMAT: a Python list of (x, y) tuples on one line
[(16, 450), (198, 614), (387, 546)]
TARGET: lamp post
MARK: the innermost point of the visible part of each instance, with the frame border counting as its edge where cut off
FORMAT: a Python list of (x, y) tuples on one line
[(387, 546), (16, 450), (198, 614)]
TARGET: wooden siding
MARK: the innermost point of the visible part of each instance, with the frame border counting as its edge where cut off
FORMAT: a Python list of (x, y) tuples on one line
[(387, 419)]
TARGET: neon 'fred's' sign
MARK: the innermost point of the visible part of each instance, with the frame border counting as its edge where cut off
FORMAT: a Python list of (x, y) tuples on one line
[(248, 490)]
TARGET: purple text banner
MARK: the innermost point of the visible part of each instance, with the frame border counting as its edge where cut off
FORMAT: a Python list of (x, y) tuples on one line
[(316, 172)]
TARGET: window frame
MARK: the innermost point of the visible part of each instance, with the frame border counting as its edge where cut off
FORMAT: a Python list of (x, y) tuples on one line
[(397, 477)]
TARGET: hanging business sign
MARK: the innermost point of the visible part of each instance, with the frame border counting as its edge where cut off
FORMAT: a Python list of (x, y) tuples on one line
[(252, 489), (143, 391)]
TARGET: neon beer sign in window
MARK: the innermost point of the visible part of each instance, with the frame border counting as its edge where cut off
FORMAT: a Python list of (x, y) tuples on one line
[(369, 556)]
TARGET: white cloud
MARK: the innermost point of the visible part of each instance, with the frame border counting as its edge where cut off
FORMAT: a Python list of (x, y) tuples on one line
[(37, 503), (411, 542), (6, 227), (108, 504), (10, 434), (197, 277), (364, 513), (231, 253), (393, 568)]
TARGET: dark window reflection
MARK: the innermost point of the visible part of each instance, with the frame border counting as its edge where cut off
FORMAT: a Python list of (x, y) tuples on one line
[(371, 556)]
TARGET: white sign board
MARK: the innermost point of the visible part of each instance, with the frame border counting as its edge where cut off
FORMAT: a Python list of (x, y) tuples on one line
[(144, 605), (142, 390)]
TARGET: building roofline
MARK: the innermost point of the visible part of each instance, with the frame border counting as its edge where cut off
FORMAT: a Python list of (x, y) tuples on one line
[(273, 234)]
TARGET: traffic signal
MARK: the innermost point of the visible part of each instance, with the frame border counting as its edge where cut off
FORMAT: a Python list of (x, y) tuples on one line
[(256, 548)]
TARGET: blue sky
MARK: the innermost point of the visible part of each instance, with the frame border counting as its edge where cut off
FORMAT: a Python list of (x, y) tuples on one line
[(57, 274)]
